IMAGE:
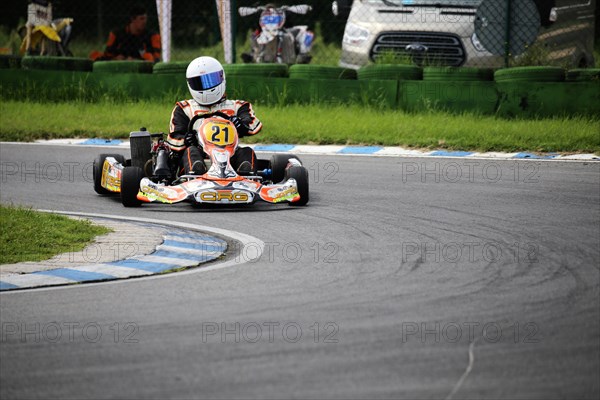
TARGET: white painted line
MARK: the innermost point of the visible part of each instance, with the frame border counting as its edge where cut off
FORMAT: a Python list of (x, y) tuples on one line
[(196, 241), (184, 250), (182, 262), (119, 272), (30, 280)]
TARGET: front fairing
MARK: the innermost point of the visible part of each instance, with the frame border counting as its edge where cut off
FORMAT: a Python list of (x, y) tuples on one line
[(209, 190), (221, 165)]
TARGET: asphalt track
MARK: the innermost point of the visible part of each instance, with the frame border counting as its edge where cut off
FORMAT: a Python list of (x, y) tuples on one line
[(403, 278)]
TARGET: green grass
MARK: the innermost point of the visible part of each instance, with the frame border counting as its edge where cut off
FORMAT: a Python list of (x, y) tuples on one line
[(314, 124), (27, 235)]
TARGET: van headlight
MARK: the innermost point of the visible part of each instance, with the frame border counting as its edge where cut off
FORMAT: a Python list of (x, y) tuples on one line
[(354, 34), (476, 43)]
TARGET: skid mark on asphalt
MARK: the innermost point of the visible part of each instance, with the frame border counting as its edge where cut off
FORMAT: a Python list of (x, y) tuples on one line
[(465, 374)]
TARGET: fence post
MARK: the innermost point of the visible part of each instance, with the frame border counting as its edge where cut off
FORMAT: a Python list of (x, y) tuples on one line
[(233, 28), (508, 28)]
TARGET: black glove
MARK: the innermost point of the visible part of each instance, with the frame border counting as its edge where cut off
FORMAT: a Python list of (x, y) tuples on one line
[(191, 139), (240, 126)]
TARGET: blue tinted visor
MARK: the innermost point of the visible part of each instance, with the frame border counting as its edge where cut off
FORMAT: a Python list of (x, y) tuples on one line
[(271, 19), (206, 81)]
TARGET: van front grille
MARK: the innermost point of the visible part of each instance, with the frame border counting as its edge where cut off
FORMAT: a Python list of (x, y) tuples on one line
[(436, 49)]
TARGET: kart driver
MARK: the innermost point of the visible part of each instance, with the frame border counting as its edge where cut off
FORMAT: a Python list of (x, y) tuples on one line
[(206, 82)]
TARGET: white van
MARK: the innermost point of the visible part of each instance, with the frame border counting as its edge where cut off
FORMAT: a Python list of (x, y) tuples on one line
[(443, 32)]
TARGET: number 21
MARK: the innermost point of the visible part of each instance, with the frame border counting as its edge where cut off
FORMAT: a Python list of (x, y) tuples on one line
[(216, 131)]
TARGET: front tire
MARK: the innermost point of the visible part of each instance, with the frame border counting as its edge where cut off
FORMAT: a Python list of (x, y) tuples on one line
[(97, 171), (130, 186), (300, 174), (278, 164)]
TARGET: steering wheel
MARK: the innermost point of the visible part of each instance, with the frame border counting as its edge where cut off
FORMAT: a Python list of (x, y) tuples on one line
[(208, 115)]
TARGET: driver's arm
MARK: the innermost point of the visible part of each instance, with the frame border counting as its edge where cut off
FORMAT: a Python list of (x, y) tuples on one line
[(177, 128), (246, 114)]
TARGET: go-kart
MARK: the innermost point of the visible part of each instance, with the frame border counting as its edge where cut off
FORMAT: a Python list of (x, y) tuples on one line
[(150, 176)]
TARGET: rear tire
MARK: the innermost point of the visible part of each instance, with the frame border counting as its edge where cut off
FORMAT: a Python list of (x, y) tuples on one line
[(97, 171), (278, 164), (130, 186), (300, 174)]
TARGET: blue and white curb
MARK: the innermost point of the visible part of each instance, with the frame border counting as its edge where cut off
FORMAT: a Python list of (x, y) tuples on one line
[(179, 249), (354, 150)]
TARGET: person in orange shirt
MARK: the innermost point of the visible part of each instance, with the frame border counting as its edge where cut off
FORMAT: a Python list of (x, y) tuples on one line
[(132, 42)]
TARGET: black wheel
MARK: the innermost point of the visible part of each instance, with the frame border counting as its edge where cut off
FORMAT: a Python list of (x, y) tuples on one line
[(97, 171), (278, 164), (130, 186), (300, 174)]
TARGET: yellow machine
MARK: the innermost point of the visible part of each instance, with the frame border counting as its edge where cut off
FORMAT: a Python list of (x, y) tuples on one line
[(42, 34)]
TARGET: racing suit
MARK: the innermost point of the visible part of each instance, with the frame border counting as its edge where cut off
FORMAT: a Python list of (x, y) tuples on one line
[(145, 46), (184, 157)]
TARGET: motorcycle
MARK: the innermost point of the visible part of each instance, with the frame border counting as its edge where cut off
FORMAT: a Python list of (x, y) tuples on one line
[(150, 175), (273, 43)]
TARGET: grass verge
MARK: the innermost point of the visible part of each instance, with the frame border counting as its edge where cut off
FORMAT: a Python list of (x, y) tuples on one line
[(27, 235), (314, 124)]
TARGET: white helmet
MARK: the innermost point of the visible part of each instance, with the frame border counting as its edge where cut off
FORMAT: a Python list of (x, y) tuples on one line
[(206, 80)]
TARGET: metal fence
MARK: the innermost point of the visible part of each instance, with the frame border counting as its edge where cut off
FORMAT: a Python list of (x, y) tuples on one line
[(480, 33)]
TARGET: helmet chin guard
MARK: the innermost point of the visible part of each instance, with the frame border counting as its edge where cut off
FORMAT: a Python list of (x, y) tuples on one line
[(206, 80)]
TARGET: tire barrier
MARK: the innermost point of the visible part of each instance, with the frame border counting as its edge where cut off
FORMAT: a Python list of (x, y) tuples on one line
[(583, 75), (539, 92), (258, 70), (457, 74), (390, 71), (10, 61), (308, 71), (130, 67), (175, 67), (56, 63), (530, 74)]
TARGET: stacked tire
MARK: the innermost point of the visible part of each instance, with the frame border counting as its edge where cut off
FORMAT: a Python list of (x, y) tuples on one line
[(583, 75), (390, 71), (127, 67), (256, 70), (174, 67), (307, 71), (56, 63), (530, 74), (457, 74), (8, 61)]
